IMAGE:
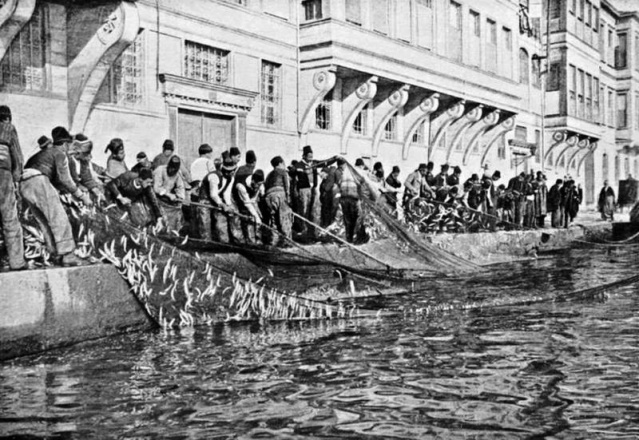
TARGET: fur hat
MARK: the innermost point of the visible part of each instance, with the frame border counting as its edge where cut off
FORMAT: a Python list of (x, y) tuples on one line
[(423, 166), (395, 169), (307, 150), (234, 151), (204, 149), (251, 157), (496, 175), (168, 145), (60, 135), (457, 170), (258, 176)]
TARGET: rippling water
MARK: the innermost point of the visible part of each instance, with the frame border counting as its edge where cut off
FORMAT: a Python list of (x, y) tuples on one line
[(560, 370)]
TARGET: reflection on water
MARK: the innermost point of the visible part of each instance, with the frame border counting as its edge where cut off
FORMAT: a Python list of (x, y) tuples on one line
[(549, 370)]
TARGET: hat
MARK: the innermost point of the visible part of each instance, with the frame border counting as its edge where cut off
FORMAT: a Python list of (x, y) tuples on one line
[(522, 174), (258, 176), (115, 145), (276, 161), (341, 161), (430, 165), (378, 166), (496, 175), (422, 166), (145, 173), (204, 149), (174, 161), (60, 135), (44, 142), (445, 166), (251, 157), (307, 150), (457, 170), (82, 144), (168, 145), (5, 111), (359, 162), (395, 169), (474, 177), (234, 151), (227, 163), (141, 155)]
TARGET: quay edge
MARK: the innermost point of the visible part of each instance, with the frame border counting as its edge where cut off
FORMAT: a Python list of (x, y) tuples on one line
[(46, 309)]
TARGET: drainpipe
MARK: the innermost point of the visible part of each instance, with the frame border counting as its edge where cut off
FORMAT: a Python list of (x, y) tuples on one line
[(299, 73)]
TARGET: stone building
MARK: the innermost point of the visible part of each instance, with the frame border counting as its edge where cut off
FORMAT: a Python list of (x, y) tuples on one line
[(396, 81)]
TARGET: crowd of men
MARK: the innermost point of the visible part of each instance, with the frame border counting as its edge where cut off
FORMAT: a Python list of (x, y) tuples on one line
[(216, 198)]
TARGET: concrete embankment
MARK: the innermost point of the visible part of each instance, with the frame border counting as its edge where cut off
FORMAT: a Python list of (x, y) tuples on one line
[(489, 248), (44, 309)]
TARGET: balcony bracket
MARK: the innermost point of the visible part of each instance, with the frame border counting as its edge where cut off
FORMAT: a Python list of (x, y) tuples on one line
[(365, 94), (454, 113), (323, 83), (470, 119), (490, 121), (425, 109), (506, 126), (394, 103)]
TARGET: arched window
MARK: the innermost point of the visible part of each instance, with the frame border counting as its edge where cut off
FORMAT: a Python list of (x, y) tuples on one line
[(524, 69), (604, 166)]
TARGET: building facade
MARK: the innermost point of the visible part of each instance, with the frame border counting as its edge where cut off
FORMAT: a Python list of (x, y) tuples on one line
[(396, 81)]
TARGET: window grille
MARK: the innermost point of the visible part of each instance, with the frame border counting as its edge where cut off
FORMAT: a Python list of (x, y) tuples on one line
[(323, 113), (206, 63), (270, 93), (23, 64), (125, 80), (390, 129), (361, 122)]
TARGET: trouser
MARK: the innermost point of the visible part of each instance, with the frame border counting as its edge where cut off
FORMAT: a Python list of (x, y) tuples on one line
[(226, 227), (541, 220), (353, 219), (173, 216), (38, 191), (279, 214), (11, 228), (330, 205), (520, 211), (555, 218), (308, 206)]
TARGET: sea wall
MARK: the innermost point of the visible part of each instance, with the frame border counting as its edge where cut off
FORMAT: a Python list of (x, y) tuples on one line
[(488, 248), (44, 309)]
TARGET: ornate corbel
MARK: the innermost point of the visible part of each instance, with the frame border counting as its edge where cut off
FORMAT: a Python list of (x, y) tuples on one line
[(506, 126), (89, 68), (323, 82), (13, 16), (591, 150), (490, 121), (365, 93), (395, 102), (471, 118), (426, 108), (571, 142), (558, 137), (455, 112)]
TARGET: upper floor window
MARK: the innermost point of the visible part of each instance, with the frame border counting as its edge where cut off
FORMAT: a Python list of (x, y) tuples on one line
[(455, 30), (475, 24), (554, 73), (555, 10), (206, 63), (521, 133), (588, 14), (621, 52), (572, 5), (622, 110), (595, 17), (582, 7), (524, 72), (270, 92), (535, 73), (125, 80), (312, 9), (418, 136), (360, 124), (23, 65), (380, 16)]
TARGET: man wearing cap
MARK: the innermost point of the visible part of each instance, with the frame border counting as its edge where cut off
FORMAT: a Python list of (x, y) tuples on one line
[(11, 163), (246, 194), (540, 190), (115, 162), (307, 185), (83, 171), (554, 204), (249, 167), (142, 161), (441, 183), (328, 196), (218, 222), (393, 187), (134, 193), (168, 150), (350, 201), (202, 165), (170, 188), (48, 171), (416, 186), (490, 197), (277, 200), (44, 142), (517, 186)]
